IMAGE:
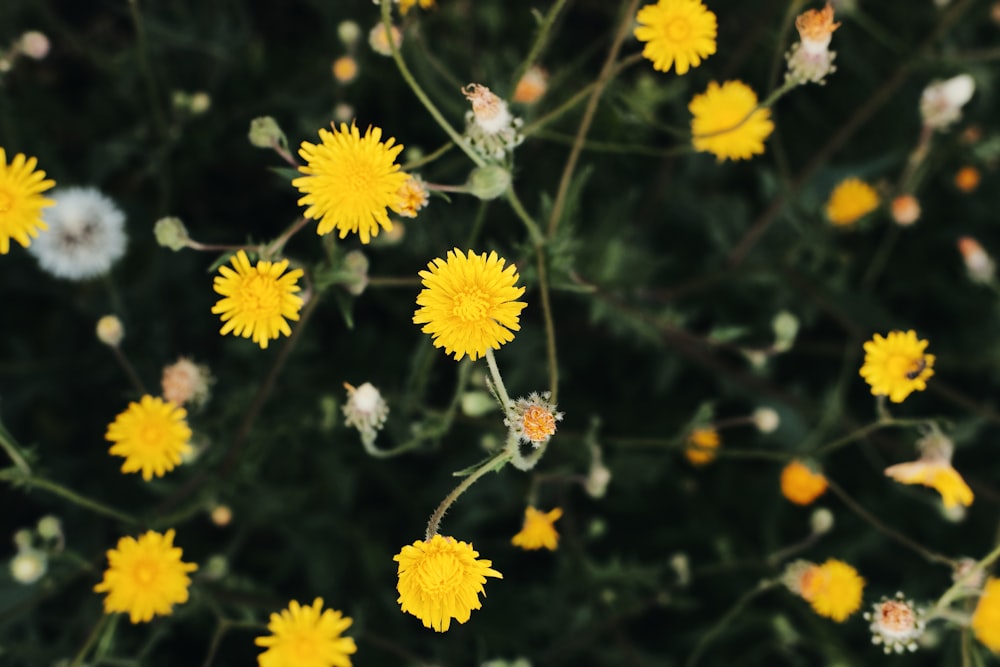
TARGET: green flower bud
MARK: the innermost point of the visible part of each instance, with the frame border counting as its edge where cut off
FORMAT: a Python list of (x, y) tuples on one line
[(265, 133), (171, 233), (786, 328), (488, 182)]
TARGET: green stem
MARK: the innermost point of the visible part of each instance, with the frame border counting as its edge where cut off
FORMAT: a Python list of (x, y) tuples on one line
[(727, 618), (147, 70), (19, 477), (129, 369), (533, 229), (956, 589), (540, 41), (607, 71), (279, 243), (421, 95), (410, 166), (550, 327), (91, 640), (495, 463), (864, 431), (12, 449), (498, 385)]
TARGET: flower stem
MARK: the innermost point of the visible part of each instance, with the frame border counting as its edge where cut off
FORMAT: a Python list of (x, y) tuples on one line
[(956, 589), (495, 463), (279, 243), (497, 381), (91, 640), (419, 92), (720, 625), (20, 477), (540, 41), (129, 369), (12, 450)]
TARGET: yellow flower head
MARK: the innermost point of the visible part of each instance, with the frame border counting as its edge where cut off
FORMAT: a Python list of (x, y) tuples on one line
[(936, 473), (727, 122), (412, 196), (833, 589), (468, 304), (800, 484), (896, 365), (533, 419), (145, 577), (350, 181), (850, 201), (986, 618), (152, 435), (538, 530), (21, 201), (257, 299), (440, 580), (677, 33), (307, 637), (406, 5), (702, 443)]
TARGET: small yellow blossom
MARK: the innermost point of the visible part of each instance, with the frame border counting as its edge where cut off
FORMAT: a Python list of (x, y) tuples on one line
[(152, 436), (850, 201), (345, 69), (406, 5), (938, 474), (533, 419), (833, 589), (145, 577), (532, 85), (727, 123), (800, 484), (412, 197), (896, 366), (702, 443), (257, 300), (967, 179), (440, 580), (677, 33), (905, 210), (21, 201), (539, 530), (307, 636), (986, 618)]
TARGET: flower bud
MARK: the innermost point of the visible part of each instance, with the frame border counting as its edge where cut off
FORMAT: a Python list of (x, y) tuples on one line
[(477, 403), (378, 39), (266, 133), (942, 101), (786, 328), (766, 420), (349, 33), (821, 521), (28, 566), (356, 264), (171, 233), (905, 210), (34, 44), (488, 182), (110, 330), (50, 528)]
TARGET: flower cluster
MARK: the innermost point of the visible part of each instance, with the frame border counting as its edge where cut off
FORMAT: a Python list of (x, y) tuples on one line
[(490, 129)]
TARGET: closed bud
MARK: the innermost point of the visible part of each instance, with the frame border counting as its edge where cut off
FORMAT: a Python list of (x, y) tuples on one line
[(786, 328), (266, 133), (110, 330), (171, 233), (488, 182)]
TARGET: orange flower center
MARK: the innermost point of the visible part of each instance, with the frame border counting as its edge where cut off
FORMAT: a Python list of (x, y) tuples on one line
[(538, 423), (896, 616)]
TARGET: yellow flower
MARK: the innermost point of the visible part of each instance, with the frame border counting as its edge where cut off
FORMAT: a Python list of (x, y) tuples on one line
[(468, 304), (257, 299), (440, 580), (350, 181), (677, 33), (833, 589), (145, 577), (896, 366), (727, 122), (850, 201), (937, 473), (538, 530), (800, 484), (533, 419), (406, 5), (702, 443), (307, 637), (151, 435), (21, 202), (986, 618), (412, 197)]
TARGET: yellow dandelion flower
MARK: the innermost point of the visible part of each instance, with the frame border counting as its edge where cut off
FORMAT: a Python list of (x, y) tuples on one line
[(152, 435), (896, 365), (145, 577), (800, 484), (412, 197), (350, 181), (468, 305), (702, 443), (440, 580), (21, 201), (539, 530), (307, 637), (677, 33), (833, 589), (257, 299), (727, 122), (850, 201), (938, 474), (406, 5), (986, 618)]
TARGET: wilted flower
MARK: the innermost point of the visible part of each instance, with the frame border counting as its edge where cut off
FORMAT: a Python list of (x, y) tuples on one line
[(365, 410), (978, 264), (895, 624), (811, 58), (934, 469), (905, 210), (490, 129), (86, 235), (186, 382), (942, 101), (532, 85)]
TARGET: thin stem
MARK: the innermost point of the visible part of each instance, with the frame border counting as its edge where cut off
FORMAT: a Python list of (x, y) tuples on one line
[(497, 381), (13, 450), (285, 154), (279, 243), (147, 70), (19, 477), (534, 231), (421, 95), (495, 463), (550, 327), (588, 116), (864, 431), (129, 369), (91, 640), (410, 166), (956, 589), (540, 42), (889, 532), (727, 618)]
